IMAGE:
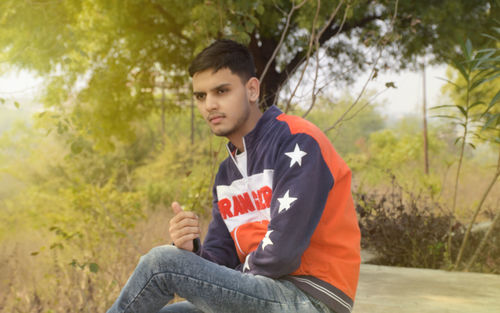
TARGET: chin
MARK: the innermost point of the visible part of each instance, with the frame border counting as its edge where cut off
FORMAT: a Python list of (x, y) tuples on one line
[(222, 132)]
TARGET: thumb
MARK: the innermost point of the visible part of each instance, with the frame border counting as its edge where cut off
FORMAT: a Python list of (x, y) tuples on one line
[(176, 207)]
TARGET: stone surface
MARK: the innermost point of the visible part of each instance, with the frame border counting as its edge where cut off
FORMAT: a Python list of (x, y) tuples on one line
[(403, 290)]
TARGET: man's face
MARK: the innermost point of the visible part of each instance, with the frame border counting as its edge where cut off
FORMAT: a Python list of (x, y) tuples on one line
[(223, 101)]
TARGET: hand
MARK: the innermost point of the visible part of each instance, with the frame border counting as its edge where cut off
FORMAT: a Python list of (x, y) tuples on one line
[(184, 227)]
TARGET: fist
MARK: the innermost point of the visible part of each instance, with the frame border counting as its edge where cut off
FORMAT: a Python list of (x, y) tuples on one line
[(184, 227)]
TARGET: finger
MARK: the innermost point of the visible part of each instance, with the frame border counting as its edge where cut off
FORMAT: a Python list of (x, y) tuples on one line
[(185, 224), (186, 238), (182, 216), (186, 231), (178, 234), (176, 207)]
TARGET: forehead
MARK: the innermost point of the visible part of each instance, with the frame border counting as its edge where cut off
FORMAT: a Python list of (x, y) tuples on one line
[(208, 79)]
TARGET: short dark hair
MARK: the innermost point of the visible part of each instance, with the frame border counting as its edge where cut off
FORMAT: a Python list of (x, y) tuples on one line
[(225, 53)]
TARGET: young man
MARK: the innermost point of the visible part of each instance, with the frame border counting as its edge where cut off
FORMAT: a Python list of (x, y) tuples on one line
[(284, 235)]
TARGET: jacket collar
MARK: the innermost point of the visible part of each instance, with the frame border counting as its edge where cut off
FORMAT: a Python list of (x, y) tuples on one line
[(264, 125)]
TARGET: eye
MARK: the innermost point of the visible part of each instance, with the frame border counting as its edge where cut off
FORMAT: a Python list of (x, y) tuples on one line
[(222, 91), (200, 96)]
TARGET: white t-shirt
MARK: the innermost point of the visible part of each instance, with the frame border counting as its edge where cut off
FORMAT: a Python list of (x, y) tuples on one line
[(241, 162)]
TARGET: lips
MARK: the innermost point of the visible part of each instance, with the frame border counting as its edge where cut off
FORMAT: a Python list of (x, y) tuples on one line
[(215, 118)]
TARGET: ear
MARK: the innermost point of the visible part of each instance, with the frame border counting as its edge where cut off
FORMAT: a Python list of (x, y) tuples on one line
[(253, 89)]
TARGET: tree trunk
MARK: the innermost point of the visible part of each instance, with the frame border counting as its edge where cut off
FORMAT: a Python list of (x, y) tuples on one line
[(162, 115), (262, 49), (478, 209), (272, 81), (426, 145), (192, 121)]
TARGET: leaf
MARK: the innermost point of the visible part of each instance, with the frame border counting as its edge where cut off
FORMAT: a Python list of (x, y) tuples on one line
[(484, 80), (442, 106), (35, 253), (463, 110), (448, 81), (260, 9), (468, 48), (495, 99), (490, 37), (390, 85), (57, 245), (2, 100), (93, 267), (475, 104), (448, 116), (457, 65), (76, 148), (492, 120), (16, 104), (472, 145), (83, 53), (477, 83)]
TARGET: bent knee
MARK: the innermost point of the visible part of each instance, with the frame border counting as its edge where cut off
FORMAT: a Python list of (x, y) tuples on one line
[(160, 256)]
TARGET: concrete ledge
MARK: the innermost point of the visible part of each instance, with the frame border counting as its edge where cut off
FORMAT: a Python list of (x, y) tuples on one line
[(385, 289)]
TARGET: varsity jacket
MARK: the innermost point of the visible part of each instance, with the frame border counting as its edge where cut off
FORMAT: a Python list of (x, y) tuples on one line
[(291, 216)]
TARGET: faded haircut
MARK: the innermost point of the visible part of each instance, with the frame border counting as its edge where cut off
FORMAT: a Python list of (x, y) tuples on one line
[(225, 53)]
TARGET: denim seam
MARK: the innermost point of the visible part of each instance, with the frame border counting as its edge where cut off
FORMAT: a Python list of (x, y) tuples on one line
[(200, 280)]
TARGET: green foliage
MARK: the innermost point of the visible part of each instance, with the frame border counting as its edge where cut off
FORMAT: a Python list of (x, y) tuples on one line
[(395, 154), (351, 135), (183, 171), (80, 192), (83, 204), (106, 61), (474, 88), (475, 68)]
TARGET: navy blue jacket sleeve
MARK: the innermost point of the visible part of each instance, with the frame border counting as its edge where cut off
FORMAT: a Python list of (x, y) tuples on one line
[(301, 185)]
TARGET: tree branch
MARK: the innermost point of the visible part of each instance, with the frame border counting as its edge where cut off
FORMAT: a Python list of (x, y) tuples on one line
[(372, 73), (309, 49), (176, 28), (329, 33), (317, 46), (283, 34)]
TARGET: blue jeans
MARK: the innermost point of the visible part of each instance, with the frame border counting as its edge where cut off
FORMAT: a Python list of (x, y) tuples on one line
[(209, 287)]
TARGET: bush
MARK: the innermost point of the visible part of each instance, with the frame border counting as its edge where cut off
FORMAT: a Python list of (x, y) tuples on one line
[(405, 230)]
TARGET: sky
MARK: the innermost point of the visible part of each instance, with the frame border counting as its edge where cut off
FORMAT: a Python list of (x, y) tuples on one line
[(406, 99), (18, 86)]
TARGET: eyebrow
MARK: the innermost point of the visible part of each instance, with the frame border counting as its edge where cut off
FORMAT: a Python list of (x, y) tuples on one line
[(196, 93)]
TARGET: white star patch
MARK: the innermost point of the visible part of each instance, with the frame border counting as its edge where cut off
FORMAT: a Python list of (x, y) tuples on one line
[(296, 155), (267, 240), (285, 202), (246, 266)]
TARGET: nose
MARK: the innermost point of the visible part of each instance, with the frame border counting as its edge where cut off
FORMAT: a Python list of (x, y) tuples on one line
[(211, 103)]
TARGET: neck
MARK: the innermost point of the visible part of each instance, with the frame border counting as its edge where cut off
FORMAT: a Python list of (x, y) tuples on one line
[(237, 139)]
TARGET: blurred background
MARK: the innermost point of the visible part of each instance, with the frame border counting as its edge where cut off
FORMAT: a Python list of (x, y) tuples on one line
[(98, 133)]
